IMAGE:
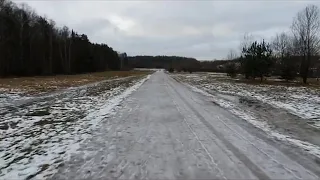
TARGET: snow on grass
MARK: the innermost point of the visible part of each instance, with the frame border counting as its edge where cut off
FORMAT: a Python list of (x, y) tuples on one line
[(249, 117), (14, 97), (301, 101), (40, 137), (8, 96)]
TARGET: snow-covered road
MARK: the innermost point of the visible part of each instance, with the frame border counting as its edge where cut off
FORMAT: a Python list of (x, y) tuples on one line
[(164, 130)]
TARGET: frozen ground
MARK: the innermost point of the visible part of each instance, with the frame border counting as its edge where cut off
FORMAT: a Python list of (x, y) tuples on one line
[(288, 113), (301, 101), (165, 130), (8, 96), (39, 133)]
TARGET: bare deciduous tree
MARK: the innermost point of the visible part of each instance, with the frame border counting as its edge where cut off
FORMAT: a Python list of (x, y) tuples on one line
[(281, 45), (247, 40), (284, 50), (232, 54), (306, 27)]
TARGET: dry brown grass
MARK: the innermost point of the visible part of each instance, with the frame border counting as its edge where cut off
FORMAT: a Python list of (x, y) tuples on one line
[(279, 83), (32, 85), (312, 82)]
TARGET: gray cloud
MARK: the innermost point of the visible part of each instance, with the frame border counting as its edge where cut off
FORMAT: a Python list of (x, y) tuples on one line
[(201, 29)]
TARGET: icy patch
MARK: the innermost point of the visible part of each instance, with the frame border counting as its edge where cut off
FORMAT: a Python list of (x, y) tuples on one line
[(249, 117), (106, 109), (40, 137)]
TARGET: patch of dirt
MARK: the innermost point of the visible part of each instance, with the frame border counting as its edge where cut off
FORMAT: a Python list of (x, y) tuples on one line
[(250, 102), (44, 112), (4, 126)]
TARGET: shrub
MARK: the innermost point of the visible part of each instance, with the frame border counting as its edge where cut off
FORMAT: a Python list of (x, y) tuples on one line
[(231, 70)]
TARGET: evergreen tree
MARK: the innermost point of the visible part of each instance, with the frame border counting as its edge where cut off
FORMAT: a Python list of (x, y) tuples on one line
[(257, 61)]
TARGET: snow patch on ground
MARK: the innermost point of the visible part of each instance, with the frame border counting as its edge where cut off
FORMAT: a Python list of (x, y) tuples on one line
[(249, 117), (301, 101), (14, 97), (107, 108), (8, 96), (35, 145)]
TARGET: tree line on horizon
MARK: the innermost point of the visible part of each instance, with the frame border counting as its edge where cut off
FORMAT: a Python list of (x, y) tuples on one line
[(162, 62), (31, 45)]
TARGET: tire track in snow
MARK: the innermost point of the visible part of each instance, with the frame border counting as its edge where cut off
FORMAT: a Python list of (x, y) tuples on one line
[(245, 139), (242, 157), (284, 166), (293, 171), (197, 138)]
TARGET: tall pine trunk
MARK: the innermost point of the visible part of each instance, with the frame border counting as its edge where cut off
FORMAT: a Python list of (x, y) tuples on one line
[(21, 64), (50, 54), (69, 65), (61, 57), (65, 57)]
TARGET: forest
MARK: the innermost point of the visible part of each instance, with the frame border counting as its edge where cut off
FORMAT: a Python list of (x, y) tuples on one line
[(165, 62), (33, 45)]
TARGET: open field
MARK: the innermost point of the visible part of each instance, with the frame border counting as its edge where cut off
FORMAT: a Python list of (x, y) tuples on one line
[(33, 85), (28, 88), (38, 134), (291, 110), (294, 97), (273, 80), (312, 82)]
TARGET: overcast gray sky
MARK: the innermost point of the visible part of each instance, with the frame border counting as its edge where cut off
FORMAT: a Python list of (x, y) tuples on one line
[(202, 29)]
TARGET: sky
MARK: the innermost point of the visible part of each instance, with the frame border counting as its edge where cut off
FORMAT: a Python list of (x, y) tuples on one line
[(203, 29)]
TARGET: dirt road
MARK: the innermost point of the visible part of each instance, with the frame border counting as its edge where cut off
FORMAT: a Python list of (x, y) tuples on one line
[(166, 131)]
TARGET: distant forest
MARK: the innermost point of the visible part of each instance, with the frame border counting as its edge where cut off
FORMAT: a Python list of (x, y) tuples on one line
[(178, 63), (165, 62), (32, 45)]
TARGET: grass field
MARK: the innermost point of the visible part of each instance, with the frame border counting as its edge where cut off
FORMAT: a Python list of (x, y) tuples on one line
[(33, 85), (295, 97), (273, 80), (312, 82)]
